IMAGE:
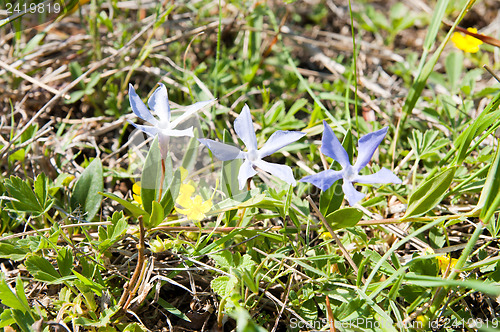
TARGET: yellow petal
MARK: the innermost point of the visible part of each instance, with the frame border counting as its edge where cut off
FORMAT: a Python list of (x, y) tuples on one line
[(136, 188), (466, 43)]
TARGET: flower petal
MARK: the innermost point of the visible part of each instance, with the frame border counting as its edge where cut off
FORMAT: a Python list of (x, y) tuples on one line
[(139, 108), (246, 172), (382, 176), (323, 180), (178, 132), (330, 146), (150, 130), (278, 140), (158, 102), (222, 151), (283, 172), (243, 126), (367, 146), (190, 110), (352, 195)]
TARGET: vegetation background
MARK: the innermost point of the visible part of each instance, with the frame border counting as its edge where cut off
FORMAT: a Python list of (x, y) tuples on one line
[(424, 253)]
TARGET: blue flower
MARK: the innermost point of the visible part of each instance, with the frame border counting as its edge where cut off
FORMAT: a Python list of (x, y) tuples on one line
[(158, 102), (367, 145), (253, 157)]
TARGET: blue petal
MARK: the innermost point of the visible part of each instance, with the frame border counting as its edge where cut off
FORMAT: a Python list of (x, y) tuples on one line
[(331, 147), (367, 146), (382, 176), (139, 108), (351, 194), (323, 180), (278, 140), (150, 130), (158, 102), (222, 151), (280, 171), (190, 110), (246, 172), (244, 128)]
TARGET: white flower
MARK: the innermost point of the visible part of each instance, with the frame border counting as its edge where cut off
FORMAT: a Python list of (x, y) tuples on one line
[(158, 102), (253, 157)]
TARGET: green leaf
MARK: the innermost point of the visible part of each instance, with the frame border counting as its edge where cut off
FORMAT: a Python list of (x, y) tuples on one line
[(133, 209), (41, 269), (490, 195), (87, 188), (454, 66), (430, 193), (151, 175), (112, 233), (24, 199), (189, 159), (173, 310), (171, 193), (223, 259), (14, 252), (224, 285), (156, 217), (346, 217), (65, 261), (11, 299)]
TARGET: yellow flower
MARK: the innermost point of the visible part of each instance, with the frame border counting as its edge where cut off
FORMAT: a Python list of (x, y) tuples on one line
[(466, 43), (185, 193), (444, 261), (136, 192), (194, 209)]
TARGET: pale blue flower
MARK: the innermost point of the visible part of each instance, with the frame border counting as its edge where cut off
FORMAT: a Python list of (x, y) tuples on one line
[(163, 127), (253, 157), (367, 145)]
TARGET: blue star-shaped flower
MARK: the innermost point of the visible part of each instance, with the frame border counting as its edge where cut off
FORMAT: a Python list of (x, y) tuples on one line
[(367, 145), (253, 157), (158, 102)]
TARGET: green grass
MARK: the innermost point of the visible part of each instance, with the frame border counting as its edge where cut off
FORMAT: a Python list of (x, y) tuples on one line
[(80, 250)]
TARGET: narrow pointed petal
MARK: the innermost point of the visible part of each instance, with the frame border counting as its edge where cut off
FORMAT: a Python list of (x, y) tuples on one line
[(382, 176), (246, 172), (330, 146), (323, 180), (351, 194), (178, 133), (243, 126), (139, 108), (367, 146), (278, 140), (222, 151), (150, 130), (280, 171), (158, 102), (190, 110)]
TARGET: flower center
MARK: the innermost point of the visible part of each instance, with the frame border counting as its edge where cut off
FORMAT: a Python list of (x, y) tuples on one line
[(164, 125), (252, 155), (349, 173)]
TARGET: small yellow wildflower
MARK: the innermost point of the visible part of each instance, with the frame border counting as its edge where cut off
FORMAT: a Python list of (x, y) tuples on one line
[(466, 43), (136, 192), (194, 209), (444, 261), (185, 193)]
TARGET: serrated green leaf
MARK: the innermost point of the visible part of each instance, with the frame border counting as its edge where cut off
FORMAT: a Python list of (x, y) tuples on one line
[(430, 193), (11, 299), (24, 199), (346, 217), (224, 285), (41, 269), (87, 188), (65, 261), (224, 259), (14, 252)]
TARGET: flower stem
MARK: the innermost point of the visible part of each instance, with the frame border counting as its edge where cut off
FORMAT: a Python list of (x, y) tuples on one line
[(162, 179)]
